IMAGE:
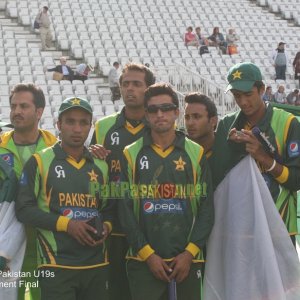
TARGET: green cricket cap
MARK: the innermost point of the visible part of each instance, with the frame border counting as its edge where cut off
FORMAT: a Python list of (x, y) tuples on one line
[(242, 77), (75, 102)]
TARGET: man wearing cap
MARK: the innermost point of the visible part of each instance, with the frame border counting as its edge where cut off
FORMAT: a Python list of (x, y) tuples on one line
[(269, 135), (55, 196), (280, 60), (82, 72), (27, 103)]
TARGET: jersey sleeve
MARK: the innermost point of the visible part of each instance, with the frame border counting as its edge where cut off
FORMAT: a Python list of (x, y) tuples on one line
[(127, 217), (204, 218), (291, 178), (27, 210)]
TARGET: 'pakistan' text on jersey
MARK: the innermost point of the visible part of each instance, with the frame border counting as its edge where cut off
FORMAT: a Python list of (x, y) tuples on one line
[(54, 187), (114, 133), (169, 205)]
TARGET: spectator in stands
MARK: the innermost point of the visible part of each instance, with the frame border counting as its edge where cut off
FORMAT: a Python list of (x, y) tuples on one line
[(190, 38), (113, 81), (296, 66), (268, 96), (82, 72), (201, 39), (43, 19), (231, 37), (280, 96), (66, 71), (280, 60), (217, 40), (293, 97)]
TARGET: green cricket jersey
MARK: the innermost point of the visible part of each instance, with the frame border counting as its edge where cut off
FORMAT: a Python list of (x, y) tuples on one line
[(114, 133), (10, 153), (53, 189), (169, 204), (282, 130)]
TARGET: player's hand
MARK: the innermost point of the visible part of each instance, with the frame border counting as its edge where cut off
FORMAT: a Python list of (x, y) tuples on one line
[(253, 146), (234, 135), (79, 230), (158, 267), (181, 265), (99, 151)]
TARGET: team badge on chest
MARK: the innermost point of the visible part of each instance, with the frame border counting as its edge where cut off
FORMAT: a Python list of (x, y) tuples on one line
[(180, 163)]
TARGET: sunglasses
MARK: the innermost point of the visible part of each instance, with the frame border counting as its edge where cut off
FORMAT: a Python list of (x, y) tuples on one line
[(152, 109)]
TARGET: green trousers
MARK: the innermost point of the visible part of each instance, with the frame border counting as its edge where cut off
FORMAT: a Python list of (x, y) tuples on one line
[(144, 286), (118, 282)]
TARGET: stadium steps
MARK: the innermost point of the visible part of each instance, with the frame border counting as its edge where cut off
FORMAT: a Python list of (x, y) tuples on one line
[(281, 10), (8, 24)]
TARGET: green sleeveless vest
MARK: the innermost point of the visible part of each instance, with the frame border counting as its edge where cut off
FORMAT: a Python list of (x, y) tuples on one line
[(102, 126), (286, 202)]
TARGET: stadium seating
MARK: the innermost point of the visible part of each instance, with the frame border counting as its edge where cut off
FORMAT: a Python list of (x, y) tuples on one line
[(103, 31)]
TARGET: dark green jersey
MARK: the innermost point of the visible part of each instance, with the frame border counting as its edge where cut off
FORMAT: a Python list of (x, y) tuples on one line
[(53, 189), (282, 130), (114, 133), (169, 204)]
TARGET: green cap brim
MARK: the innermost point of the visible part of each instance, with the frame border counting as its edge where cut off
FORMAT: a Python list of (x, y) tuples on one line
[(240, 85), (75, 106)]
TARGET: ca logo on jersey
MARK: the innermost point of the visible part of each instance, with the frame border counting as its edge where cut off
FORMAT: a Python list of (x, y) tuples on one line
[(115, 140), (144, 163), (60, 172)]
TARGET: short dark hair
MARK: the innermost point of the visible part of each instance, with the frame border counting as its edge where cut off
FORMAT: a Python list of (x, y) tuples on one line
[(116, 63), (204, 100), (258, 84), (149, 76), (36, 91), (45, 7), (160, 89)]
